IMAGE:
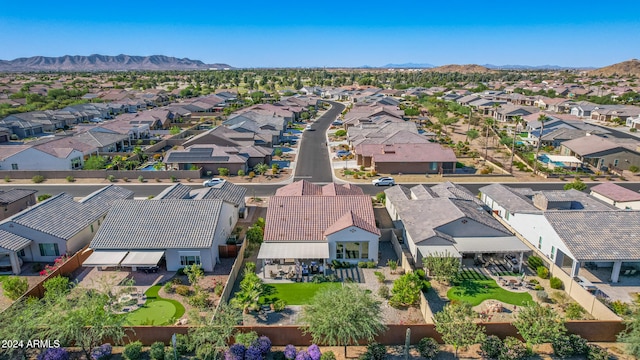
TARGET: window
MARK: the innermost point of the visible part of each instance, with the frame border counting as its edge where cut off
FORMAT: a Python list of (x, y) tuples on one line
[(506, 215), (540, 242), (615, 162), (434, 166), (14, 166), (49, 250), (352, 250), (76, 163), (91, 227), (553, 250), (186, 260)]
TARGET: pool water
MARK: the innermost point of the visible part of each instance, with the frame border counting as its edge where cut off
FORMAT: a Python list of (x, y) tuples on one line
[(546, 160), (148, 167)]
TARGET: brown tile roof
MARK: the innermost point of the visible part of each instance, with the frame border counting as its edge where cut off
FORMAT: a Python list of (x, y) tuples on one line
[(594, 144), (616, 192), (308, 218), (303, 187), (425, 152)]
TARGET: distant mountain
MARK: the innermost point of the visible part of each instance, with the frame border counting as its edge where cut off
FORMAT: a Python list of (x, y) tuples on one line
[(529, 67), (104, 63), (630, 67), (407, 66), (464, 69)]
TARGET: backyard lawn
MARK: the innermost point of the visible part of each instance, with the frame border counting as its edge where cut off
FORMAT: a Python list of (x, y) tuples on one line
[(295, 293), (157, 310), (474, 288)]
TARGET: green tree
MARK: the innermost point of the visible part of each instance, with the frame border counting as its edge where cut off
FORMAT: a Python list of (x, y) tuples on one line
[(95, 162), (518, 121), (255, 235), (576, 184), (23, 320), (251, 289), (174, 130), (541, 118), (194, 273), (631, 335), (538, 324), (488, 124), (223, 171), (441, 267), (406, 290), (56, 288), (14, 287), (342, 316), (212, 332), (261, 168), (455, 322), (472, 134)]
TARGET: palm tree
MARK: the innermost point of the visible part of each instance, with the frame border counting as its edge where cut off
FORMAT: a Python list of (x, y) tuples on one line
[(517, 120), (542, 118), (488, 123)]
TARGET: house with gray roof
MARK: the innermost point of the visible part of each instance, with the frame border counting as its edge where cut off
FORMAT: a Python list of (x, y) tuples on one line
[(140, 233), (570, 229), (604, 152), (210, 158), (616, 195), (447, 219), (57, 226), (226, 191), (13, 201)]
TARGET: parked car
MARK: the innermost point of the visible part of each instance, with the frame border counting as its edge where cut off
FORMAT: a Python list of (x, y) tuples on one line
[(341, 153), (384, 181), (213, 182), (149, 269), (337, 123), (309, 128)]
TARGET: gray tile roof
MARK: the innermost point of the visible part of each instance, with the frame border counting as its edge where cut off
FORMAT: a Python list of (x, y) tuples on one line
[(508, 199), (176, 191), (159, 224), (598, 235), (579, 200), (226, 191), (397, 193), (63, 217), (616, 192), (12, 242), (13, 195)]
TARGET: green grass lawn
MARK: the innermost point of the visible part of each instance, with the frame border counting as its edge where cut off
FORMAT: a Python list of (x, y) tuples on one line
[(474, 288), (157, 310), (295, 293)]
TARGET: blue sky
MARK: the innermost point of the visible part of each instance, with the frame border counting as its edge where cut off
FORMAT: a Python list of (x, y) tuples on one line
[(328, 33)]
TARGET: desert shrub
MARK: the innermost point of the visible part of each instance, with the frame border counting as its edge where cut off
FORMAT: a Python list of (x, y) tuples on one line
[(314, 352), (70, 178), (111, 178), (384, 292), (54, 354), (514, 349), (252, 174), (241, 172), (200, 300), (218, 289), (279, 305), (556, 283), (223, 171), (38, 179), (543, 272), (156, 351), (290, 352), (101, 352), (486, 170), (374, 351), (491, 347), (634, 169), (246, 339), (173, 178), (328, 355), (141, 178), (596, 352), (380, 276), (428, 348), (7, 178), (538, 288), (183, 290), (356, 176), (14, 287), (619, 307), (534, 262), (542, 296), (158, 180), (534, 281), (569, 345), (341, 132), (574, 311), (125, 179), (362, 264), (371, 264), (176, 281), (133, 351), (43, 197)]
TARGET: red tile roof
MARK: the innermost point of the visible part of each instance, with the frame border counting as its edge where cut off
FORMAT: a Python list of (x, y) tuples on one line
[(303, 187), (425, 152)]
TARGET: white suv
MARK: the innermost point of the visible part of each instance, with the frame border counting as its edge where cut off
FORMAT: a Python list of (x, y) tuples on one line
[(384, 181), (213, 182)]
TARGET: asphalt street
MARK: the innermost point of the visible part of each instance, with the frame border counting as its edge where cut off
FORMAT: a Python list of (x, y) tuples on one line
[(313, 162), (145, 190)]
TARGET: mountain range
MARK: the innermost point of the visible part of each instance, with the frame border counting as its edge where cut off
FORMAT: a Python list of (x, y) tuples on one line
[(97, 62), (488, 66)]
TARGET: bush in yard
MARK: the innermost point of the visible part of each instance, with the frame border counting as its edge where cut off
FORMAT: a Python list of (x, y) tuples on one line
[(277, 355), (543, 272), (428, 348), (101, 352), (303, 355), (375, 351), (569, 345), (290, 352), (534, 262), (514, 349), (133, 351), (38, 179), (111, 178), (341, 132), (183, 290), (279, 305), (555, 283), (253, 353), (328, 355), (235, 352), (619, 307), (156, 352), (7, 178), (380, 276), (70, 178), (141, 178), (54, 354), (380, 197), (43, 197), (247, 339), (596, 352), (542, 296), (223, 171), (574, 311), (314, 352), (14, 287), (241, 172), (492, 347), (264, 344)]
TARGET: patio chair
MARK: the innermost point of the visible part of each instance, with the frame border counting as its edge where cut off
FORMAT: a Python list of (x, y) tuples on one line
[(633, 272), (627, 272), (273, 274)]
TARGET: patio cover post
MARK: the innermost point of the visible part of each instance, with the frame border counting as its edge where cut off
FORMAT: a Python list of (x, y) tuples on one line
[(263, 269), (520, 263), (615, 272)]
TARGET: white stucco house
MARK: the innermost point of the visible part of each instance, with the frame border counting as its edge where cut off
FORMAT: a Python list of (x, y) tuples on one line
[(616, 195), (569, 228), (446, 219), (55, 227), (27, 157), (320, 223), (140, 233)]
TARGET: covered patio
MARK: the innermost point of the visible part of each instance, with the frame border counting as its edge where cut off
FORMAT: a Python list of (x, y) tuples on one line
[(103, 259), (292, 261)]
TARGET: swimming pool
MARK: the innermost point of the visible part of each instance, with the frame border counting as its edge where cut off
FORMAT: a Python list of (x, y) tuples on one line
[(148, 167), (546, 160)]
